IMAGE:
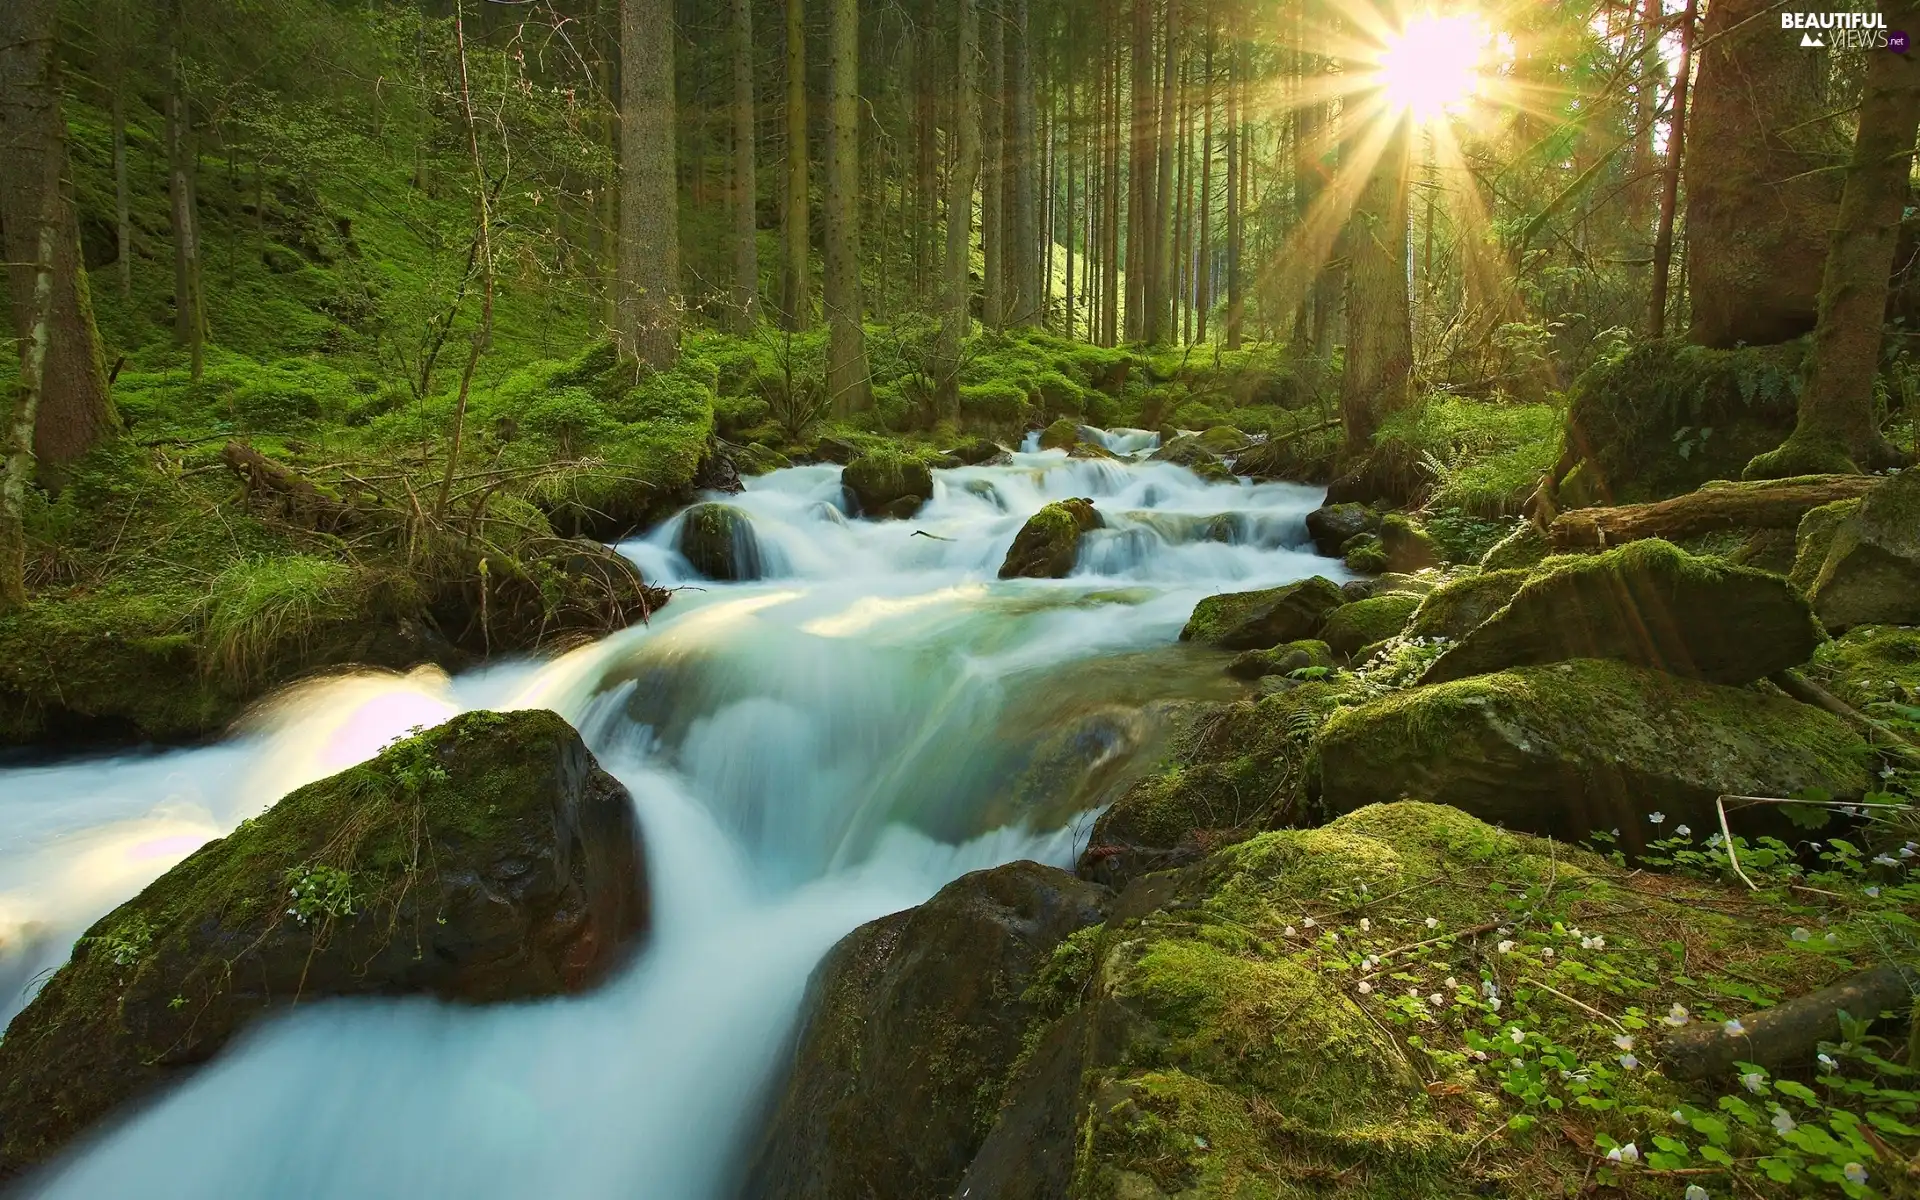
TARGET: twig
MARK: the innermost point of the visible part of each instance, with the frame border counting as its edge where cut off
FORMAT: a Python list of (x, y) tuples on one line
[(1726, 835), (1581, 1005)]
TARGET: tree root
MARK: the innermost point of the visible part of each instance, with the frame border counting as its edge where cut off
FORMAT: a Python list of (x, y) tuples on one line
[(1791, 1031)]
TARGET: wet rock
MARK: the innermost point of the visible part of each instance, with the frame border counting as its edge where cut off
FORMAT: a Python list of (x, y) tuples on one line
[(1092, 450), (1063, 434), (1365, 622), (1357, 589), (718, 540), (1047, 544), (1364, 553), (913, 1022), (977, 452), (1268, 617), (886, 483), (1186, 451), (1281, 660), (755, 459), (1332, 526), (488, 859), (1583, 745), (1650, 603), (1224, 440), (1407, 547), (1458, 607), (1869, 572), (835, 450)]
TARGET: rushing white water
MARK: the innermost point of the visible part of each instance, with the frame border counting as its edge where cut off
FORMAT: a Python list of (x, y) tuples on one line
[(830, 743)]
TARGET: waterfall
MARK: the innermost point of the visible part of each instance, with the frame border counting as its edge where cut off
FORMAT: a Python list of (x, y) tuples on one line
[(826, 744)]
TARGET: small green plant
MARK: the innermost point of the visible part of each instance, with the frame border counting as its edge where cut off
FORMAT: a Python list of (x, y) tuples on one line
[(127, 944), (319, 893)]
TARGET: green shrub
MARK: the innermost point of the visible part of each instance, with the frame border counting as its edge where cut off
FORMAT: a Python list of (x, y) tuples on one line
[(998, 401), (1483, 458), (260, 607)]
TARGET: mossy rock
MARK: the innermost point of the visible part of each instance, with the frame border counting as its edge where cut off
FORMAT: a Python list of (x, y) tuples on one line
[(486, 860), (1084, 450), (1364, 553), (1407, 547), (1872, 665), (1332, 526), (1186, 451), (1282, 660), (1047, 544), (1061, 435), (911, 1024), (1667, 417), (888, 482), (1583, 745), (1364, 622), (975, 452), (1648, 602), (1859, 561), (718, 540), (1224, 440), (1524, 547), (1458, 607), (755, 459), (1268, 617)]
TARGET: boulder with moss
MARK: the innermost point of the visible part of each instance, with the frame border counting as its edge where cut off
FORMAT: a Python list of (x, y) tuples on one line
[(1647, 602), (1187, 451), (912, 1023), (1224, 440), (1046, 546), (718, 541), (1282, 660), (1860, 561), (1407, 546), (1364, 622), (1268, 617), (1364, 553), (980, 451), (1459, 606), (755, 459), (1872, 667), (486, 860), (1589, 744), (1063, 434), (887, 483), (1524, 547), (1332, 526)]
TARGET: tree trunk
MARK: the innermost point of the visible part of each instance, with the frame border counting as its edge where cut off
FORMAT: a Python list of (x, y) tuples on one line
[(1203, 268), (847, 374), (1379, 359), (1761, 194), (1160, 263), (993, 124), (1023, 242), (1836, 429), (1236, 97), (181, 166), (73, 409), (1670, 181), (956, 289), (649, 204), (796, 304), (122, 195), (1140, 167), (1070, 227), (1712, 509), (746, 250)]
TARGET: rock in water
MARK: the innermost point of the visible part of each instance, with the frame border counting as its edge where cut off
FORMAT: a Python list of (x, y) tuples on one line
[(1061, 435), (1187, 451), (1590, 744), (1860, 562), (1647, 602), (488, 859), (1365, 622), (888, 483), (718, 540), (1332, 526), (980, 451), (1046, 545), (913, 1022), (1257, 620)]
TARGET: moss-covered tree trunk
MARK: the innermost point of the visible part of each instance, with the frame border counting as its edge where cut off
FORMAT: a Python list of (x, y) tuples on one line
[(955, 289), (1379, 359), (649, 207), (1836, 430), (796, 304), (1760, 192), (746, 251), (75, 411), (847, 375)]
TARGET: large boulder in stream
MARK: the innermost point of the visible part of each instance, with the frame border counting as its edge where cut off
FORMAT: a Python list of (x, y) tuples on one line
[(1047, 544), (1187, 450), (1332, 526), (1259, 619), (1061, 435), (1859, 560), (912, 1023), (887, 483), (488, 859), (1571, 747), (717, 539), (1647, 602)]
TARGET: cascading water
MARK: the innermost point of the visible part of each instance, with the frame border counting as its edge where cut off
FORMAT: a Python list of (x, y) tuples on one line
[(830, 743)]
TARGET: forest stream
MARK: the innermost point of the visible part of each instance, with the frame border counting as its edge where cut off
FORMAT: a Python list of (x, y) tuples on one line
[(808, 751)]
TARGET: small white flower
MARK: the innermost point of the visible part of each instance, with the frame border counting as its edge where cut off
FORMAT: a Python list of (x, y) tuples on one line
[(1414, 992), (1451, 983), (1517, 1034), (1491, 988), (1885, 860), (1436, 999), (1493, 1002), (1753, 1081), (1677, 1015), (1629, 1062), (1826, 1060), (1682, 831), (1480, 1056), (1657, 818), (1854, 1172), (1289, 931), (1574, 932), (1873, 893), (1695, 1192), (1366, 989), (1366, 926), (1334, 936), (1906, 852), (1547, 953), (1734, 1027), (1783, 1122), (1599, 941), (1833, 939), (1628, 1154), (1309, 922), (1505, 947), (1433, 922), (1623, 1040), (1679, 1118), (1800, 933)]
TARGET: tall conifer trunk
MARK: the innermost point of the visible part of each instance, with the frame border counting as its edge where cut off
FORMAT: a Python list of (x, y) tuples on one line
[(795, 302), (847, 375), (746, 250), (649, 285)]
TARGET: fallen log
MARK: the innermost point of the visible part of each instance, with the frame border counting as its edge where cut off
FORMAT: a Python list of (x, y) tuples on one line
[(1771, 504), (1789, 1032), (296, 497)]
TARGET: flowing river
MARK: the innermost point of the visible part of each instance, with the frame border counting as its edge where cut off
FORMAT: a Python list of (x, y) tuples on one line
[(829, 743)]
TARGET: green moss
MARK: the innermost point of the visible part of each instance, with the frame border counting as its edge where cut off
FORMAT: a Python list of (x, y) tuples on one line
[(1268, 617), (1061, 435), (1457, 607), (887, 476), (1046, 546), (260, 611), (994, 403), (1484, 458), (1364, 622), (1524, 547), (1872, 664), (1364, 553)]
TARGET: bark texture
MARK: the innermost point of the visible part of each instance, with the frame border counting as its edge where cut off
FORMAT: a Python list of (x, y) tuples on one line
[(1379, 316), (795, 285), (746, 251), (956, 289), (649, 214), (1710, 510), (847, 380)]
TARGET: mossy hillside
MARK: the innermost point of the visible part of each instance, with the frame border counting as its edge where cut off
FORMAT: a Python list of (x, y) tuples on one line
[(1266, 1053), (1872, 666)]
